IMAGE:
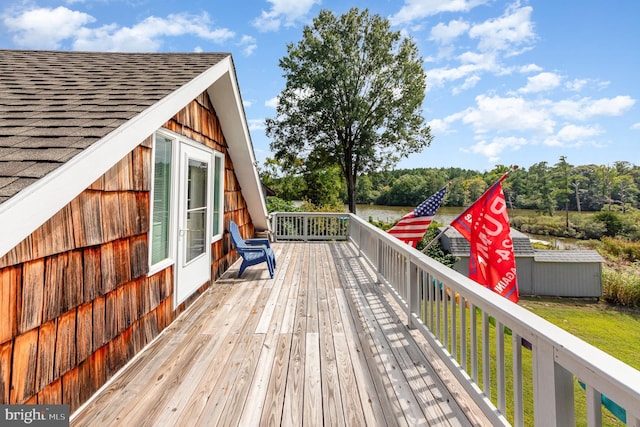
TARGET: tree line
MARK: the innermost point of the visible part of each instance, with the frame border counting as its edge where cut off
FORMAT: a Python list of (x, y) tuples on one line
[(542, 187)]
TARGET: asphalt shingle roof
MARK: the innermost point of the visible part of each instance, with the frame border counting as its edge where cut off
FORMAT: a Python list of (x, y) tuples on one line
[(54, 104), (568, 256), (459, 246)]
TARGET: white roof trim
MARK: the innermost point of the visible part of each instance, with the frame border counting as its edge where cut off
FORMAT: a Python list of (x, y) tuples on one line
[(227, 102), (33, 206)]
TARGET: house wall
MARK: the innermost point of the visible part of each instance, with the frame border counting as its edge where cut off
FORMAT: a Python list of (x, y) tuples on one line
[(76, 302), (563, 279)]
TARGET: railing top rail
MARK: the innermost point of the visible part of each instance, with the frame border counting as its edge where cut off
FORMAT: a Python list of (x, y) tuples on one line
[(322, 214)]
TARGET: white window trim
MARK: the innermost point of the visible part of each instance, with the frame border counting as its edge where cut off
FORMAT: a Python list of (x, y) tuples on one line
[(170, 260), (218, 154)]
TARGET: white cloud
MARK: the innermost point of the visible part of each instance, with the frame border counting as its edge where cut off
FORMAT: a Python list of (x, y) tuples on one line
[(586, 108), (541, 82), (469, 83), (248, 45), (45, 28), (635, 126), (512, 30), (573, 136), (576, 84), (256, 124), (473, 65), (418, 9), (574, 132), (493, 149), (446, 33), (286, 12), (273, 102), (148, 35), (496, 38), (529, 68), (495, 113)]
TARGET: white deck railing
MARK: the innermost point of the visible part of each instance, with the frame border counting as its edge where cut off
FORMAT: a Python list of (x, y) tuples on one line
[(470, 327)]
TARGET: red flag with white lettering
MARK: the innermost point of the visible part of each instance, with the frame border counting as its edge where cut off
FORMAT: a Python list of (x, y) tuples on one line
[(485, 224)]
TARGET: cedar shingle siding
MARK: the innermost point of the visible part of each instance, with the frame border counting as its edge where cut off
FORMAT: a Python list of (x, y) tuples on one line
[(76, 302)]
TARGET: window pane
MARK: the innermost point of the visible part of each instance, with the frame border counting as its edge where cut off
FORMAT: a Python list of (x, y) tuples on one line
[(196, 209), (161, 200), (196, 235), (197, 186)]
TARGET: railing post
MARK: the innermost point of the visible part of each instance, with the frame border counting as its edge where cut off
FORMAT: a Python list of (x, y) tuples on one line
[(553, 397), (413, 297), (274, 225)]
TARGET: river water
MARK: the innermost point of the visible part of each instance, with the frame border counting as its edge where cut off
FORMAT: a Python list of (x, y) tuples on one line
[(446, 214)]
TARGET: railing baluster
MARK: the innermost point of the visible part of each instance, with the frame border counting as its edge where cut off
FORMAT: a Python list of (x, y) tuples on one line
[(474, 345), (454, 325), (463, 333), (500, 371), (594, 407), (409, 297), (438, 291), (518, 403), (431, 301), (486, 358), (445, 306)]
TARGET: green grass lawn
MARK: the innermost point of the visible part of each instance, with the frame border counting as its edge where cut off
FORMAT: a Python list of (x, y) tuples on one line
[(612, 330), (615, 331)]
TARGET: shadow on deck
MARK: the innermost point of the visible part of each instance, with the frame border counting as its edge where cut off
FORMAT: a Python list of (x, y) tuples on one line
[(320, 344)]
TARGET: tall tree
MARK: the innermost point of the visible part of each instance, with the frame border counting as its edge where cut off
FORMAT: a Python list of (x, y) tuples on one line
[(561, 174), (353, 97)]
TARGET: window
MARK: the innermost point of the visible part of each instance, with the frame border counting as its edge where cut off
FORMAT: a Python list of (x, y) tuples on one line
[(218, 193), (161, 199)]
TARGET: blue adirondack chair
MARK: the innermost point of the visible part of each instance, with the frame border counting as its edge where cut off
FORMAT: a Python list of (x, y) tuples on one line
[(252, 251)]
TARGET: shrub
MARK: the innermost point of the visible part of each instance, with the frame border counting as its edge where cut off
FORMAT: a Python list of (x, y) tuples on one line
[(621, 287), (622, 248), (276, 204), (612, 222)]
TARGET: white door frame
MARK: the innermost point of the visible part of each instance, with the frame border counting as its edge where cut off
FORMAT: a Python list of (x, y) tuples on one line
[(193, 252)]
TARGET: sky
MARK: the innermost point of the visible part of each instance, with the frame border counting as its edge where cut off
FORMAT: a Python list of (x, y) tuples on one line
[(508, 82)]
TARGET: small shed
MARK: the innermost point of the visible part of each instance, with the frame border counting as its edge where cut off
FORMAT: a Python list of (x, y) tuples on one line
[(119, 176), (563, 273), (568, 273)]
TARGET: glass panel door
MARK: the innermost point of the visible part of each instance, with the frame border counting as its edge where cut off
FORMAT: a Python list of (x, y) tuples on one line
[(194, 221)]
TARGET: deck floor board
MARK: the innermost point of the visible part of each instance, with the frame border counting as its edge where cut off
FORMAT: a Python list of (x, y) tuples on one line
[(319, 344)]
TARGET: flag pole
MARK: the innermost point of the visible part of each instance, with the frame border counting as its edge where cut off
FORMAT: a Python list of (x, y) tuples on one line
[(435, 238), (511, 169)]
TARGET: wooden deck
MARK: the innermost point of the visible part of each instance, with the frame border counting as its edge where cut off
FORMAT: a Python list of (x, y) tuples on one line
[(320, 344)]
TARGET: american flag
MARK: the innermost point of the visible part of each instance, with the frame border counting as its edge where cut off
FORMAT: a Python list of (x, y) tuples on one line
[(413, 225)]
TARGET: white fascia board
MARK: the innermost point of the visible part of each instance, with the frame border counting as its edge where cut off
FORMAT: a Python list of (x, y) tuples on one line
[(226, 100), (30, 208)]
